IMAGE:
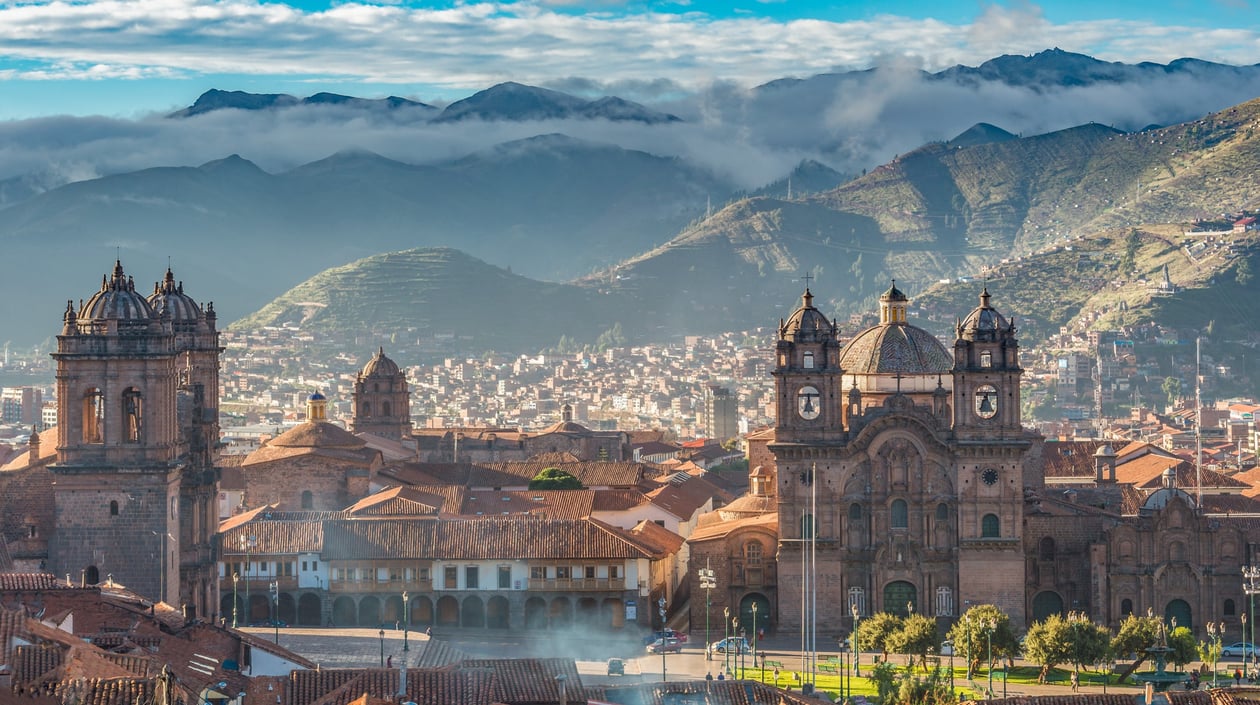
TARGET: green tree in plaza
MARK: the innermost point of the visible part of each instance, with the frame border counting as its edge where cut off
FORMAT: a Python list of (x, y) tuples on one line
[(916, 637), (971, 631), (554, 479), (1074, 640), (1184, 648), (875, 631), (932, 690), (884, 676), (1087, 642), (1136, 635)]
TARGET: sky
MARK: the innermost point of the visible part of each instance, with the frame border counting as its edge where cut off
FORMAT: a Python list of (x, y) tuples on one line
[(131, 58)]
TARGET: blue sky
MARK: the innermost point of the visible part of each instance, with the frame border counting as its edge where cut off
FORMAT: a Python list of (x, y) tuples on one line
[(131, 57)]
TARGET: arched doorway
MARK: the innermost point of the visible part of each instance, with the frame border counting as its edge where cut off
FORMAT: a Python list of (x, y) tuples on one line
[(1045, 604), (588, 613), (535, 613), (561, 612), (92, 575), (369, 612), (393, 613), (498, 613), (259, 608), (613, 612), (228, 613), (763, 612), (421, 611), (447, 612), (473, 612), (286, 608), (309, 609), (1179, 610), (344, 612), (899, 597)]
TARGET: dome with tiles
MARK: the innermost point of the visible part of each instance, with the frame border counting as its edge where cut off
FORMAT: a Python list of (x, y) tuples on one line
[(894, 346), (116, 300), (380, 366), (807, 324), (169, 300), (984, 322)]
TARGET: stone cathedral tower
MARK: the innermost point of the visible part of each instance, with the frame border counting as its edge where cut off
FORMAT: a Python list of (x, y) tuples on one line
[(137, 397), (382, 404)]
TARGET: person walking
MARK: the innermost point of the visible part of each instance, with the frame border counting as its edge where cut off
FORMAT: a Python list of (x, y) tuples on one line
[(1076, 682)]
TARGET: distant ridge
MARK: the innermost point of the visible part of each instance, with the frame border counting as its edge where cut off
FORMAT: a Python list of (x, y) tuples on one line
[(215, 99), (981, 133)]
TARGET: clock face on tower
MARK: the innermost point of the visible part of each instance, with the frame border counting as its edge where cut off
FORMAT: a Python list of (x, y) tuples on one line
[(989, 476), (807, 403), (986, 401)]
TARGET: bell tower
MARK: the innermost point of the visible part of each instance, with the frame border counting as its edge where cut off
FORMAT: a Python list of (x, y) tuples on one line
[(990, 444), (118, 467), (808, 377), (382, 403)]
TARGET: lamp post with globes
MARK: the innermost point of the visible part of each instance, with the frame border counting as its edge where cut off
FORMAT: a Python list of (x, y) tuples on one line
[(726, 639), (857, 654), (406, 620), (236, 602), (381, 633), (708, 581), (664, 639), (754, 634), (989, 626), (1251, 586)]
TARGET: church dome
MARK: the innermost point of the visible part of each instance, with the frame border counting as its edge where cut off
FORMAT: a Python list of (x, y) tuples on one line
[(169, 301), (807, 324), (380, 366), (893, 348), (984, 321), (117, 300)]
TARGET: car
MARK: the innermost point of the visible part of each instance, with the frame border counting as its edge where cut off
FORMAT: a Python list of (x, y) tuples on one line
[(736, 644), (616, 667), (269, 623), (947, 648), (1238, 649), (667, 645), (667, 634)]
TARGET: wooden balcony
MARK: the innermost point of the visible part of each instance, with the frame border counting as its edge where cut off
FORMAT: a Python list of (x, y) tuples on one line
[(394, 586), (577, 584)]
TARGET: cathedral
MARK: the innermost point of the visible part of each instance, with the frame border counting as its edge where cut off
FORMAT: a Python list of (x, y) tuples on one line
[(133, 481)]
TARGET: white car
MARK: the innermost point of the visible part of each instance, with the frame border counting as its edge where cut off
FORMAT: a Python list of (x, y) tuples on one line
[(947, 648), (736, 644)]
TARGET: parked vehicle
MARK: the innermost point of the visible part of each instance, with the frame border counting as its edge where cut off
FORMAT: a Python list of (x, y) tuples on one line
[(666, 634), (667, 645), (947, 648), (1238, 649), (616, 667), (736, 644)]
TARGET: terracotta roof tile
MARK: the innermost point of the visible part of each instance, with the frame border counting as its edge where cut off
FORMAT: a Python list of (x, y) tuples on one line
[(29, 581), (528, 681), (398, 501), (618, 500), (273, 538), (723, 528), (557, 504)]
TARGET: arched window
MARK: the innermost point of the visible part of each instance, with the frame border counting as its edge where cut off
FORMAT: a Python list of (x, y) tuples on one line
[(752, 552), (386, 409), (900, 514), (1046, 549), (942, 512), (1229, 608), (989, 527), (113, 508), (365, 408), (133, 415), (807, 526), (308, 499), (986, 359), (855, 512), (1126, 607), (808, 361), (93, 415)]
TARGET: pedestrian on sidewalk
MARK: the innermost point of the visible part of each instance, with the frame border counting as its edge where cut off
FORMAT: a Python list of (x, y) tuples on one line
[(1076, 682)]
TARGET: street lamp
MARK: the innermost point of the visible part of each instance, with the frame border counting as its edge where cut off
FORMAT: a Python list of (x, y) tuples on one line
[(967, 621), (990, 625), (708, 581), (406, 619), (726, 639), (382, 635), (660, 603), (735, 632), (857, 655), (1251, 586), (275, 608), (247, 544), (754, 633), (1215, 636), (1244, 636), (235, 601)]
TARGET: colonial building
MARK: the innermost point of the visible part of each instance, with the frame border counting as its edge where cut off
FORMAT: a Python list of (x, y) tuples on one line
[(382, 404)]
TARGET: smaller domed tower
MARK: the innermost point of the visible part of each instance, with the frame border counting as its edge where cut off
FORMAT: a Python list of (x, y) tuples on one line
[(807, 376), (986, 375), (382, 403)]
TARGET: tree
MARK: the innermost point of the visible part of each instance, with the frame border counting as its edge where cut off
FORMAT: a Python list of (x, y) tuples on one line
[(554, 479), (875, 631), (973, 630), (885, 677), (1242, 272), (1075, 640), (933, 690), (1087, 642), (1184, 648), (916, 637), (1136, 635), (1172, 389)]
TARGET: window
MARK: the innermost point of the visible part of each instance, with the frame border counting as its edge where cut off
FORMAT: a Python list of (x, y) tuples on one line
[(857, 598), (1046, 549), (614, 572), (900, 514), (366, 409), (807, 526), (472, 577), (305, 566), (308, 499), (1229, 608), (855, 512), (752, 552), (537, 572), (450, 575), (944, 602), (113, 508), (132, 415), (505, 577), (385, 409), (986, 359), (1126, 607), (314, 565), (93, 415), (942, 512), (589, 572), (808, 362), (424, 575), (989, 527), (563, 572)]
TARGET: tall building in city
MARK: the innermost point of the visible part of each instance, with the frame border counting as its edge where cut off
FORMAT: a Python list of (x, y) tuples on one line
[(382, 403), (137, 391), (721, 413)]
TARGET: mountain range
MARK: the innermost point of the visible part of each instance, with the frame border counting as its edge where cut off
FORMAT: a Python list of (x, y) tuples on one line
[(680, 239)]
